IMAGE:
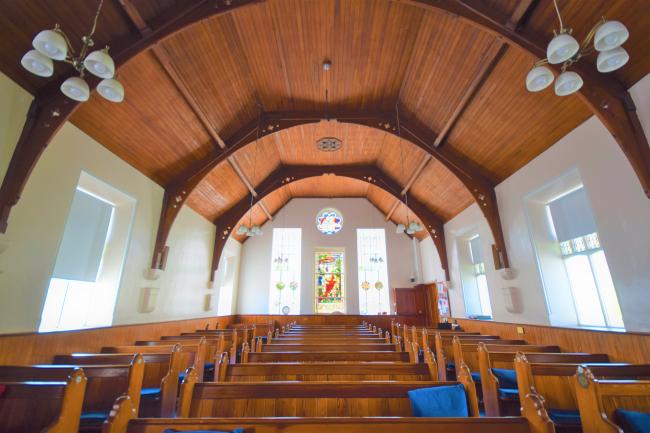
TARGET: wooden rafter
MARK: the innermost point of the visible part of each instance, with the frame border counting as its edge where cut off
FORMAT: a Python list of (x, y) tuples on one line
[(286, 174)]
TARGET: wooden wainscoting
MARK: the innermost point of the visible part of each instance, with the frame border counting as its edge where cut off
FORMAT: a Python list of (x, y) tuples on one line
[(381, 321), (620, 346), (34, 348)]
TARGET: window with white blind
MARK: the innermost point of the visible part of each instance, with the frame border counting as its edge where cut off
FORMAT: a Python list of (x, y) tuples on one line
[(285, 271), (478, 264), (84, 284), (592, 288), (374, 296)]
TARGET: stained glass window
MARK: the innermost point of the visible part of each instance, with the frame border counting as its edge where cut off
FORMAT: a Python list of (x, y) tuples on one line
[(329, 221), (329, 281)]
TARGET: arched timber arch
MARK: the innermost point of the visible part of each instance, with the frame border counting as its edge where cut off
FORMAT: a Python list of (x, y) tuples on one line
[(286, 174), (605, 96), (479, 186)]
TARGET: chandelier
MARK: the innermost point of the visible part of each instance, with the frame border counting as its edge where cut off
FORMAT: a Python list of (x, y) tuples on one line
[(411, 227), (252, 229), (564, 49), (50, 45)]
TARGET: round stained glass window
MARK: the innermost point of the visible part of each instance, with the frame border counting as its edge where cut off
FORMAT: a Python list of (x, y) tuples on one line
[(329, 221)]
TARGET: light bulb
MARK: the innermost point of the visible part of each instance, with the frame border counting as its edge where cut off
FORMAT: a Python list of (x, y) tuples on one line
[(76, 88), (567, 83), (37, 64)]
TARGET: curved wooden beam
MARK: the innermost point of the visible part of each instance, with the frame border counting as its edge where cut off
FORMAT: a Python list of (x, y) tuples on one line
[(286, 174), (51, 109), (478, 184)]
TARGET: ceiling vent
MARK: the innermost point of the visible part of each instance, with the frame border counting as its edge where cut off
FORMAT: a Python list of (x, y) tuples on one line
[(329, 144)]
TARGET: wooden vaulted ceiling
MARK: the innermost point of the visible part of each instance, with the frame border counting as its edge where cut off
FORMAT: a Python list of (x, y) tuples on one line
[(268, 57)]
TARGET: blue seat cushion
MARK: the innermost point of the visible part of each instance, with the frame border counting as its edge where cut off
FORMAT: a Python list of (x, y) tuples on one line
[(507, 378), (509, 393), (451, 366), (150, 392), (561, 416), (181, 376), (476, 376), (632, 422), (439, 401), (92, 417), (236, 430), (209, 366)]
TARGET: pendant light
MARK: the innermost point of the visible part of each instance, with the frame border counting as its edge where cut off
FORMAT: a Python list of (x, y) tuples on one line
[(54, 44), (564, 50), (250, 229), (411, 227)]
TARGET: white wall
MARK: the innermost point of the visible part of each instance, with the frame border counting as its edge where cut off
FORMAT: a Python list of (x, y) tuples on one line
[(430, 259), (14, 104), (36, 225), (621, 211), (357, 213)]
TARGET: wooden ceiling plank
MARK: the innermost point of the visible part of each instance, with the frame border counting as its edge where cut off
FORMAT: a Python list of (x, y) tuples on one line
[(409, 183), (392, 209)]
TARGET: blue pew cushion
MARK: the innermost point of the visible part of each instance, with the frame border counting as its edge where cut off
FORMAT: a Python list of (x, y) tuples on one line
[(632, 422), (507, 378), (451, 366), (476, 376), (509, 393), (439, 401), (150, 392), (236, 430), (209, 366), (561, 416), (92, 417)]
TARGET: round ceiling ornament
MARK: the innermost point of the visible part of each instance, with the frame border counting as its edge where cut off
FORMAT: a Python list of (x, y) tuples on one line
[(329, 144)]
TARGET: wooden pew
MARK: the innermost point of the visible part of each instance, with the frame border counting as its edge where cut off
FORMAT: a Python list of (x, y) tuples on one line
[(42, 407), (105, 383), (343, 346), (599, 399), (211, 349), (467, 352), (504, 400), (290, 399), (328, 425), (343, 356), (160, 381), (443, 348), (548, 396)]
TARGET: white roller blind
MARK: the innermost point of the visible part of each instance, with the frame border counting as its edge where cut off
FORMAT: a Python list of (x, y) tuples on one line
[(84, 237), (572, 216), (475, 249)]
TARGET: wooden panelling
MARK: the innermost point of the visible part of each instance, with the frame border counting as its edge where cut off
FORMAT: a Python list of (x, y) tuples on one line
[(218, 191), (445, 43), (620, 346), (153, 129), (381, 321), (506, 126), (328, 186), (257, 161), (441, 191), (399, 158), (37, 348)]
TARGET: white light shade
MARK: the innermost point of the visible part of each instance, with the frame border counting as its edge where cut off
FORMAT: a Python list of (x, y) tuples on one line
[(567, 83), (401, 228), (561, 48), (539, 78), (51, 44), (242, 230), (612, 60), (609, 35), (414, 226), (111, 89), (37, 64), (256, 230), (99, 63), (76, 88)]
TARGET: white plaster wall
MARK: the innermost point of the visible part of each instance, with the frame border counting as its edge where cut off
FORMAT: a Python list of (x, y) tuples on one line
[(621, 211), (357, 213), (431, 267), (36, 225), (14, 104)]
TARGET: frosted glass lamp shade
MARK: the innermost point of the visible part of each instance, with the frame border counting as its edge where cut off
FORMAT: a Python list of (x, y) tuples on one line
[(612, 60), (242, 230), (561, 48), (610, 35), (256, 230), (567, 83), (51, 44), (401, 228), (111, 90), (37, 64), (76, 88), (99, 63), (539, 78), (414, 227)]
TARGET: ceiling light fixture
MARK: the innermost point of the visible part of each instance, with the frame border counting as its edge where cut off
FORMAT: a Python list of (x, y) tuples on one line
[(250, 229), (564, 49), (54, 44), (411, 227)]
